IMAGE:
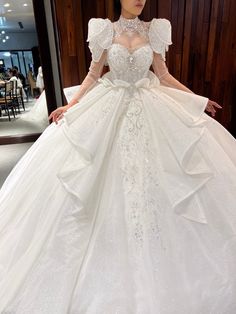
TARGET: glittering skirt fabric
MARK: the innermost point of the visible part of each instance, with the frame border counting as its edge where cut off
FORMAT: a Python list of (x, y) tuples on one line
[(127, 206)]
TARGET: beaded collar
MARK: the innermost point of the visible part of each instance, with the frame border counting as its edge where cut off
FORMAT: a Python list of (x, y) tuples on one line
[(130, 26)]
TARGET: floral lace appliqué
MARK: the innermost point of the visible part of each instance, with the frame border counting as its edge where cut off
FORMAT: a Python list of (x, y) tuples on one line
[(140, 172)]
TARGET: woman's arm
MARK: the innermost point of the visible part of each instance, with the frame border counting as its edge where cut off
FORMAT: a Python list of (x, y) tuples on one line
[(95, 71), (166, 79)]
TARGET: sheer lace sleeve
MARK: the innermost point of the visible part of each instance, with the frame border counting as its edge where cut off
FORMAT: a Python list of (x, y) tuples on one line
[(160, 39), (95, 71), (166, 79), (100, 35)]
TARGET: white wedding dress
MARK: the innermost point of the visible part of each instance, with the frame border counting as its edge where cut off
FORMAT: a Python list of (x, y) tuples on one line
[(38, 113), (128, 204)]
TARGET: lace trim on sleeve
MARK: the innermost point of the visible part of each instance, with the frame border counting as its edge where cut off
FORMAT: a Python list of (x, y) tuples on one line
[(100, 35), (160, 36)]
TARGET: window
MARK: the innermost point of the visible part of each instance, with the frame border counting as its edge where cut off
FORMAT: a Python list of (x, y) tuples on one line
[(23, 59)]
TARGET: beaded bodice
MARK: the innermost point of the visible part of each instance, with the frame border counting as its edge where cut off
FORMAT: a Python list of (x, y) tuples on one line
[(127, 64), (130, 55)]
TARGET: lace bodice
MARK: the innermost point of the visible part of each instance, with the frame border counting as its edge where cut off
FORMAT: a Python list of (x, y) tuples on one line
[(129, 65)]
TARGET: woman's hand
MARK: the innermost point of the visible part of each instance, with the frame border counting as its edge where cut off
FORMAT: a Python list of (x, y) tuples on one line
[(58, 114), (211, 107)]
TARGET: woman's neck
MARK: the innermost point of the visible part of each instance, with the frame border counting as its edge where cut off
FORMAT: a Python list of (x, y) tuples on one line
[(127, 15)]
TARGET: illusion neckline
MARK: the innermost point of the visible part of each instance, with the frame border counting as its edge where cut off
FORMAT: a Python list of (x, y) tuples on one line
[(129, 25), (130, 21), (131, 50)]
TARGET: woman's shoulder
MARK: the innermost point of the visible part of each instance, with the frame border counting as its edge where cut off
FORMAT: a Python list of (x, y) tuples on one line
[(97, 25), (162, 28), (100, 35), (159, 33), (158, 25)]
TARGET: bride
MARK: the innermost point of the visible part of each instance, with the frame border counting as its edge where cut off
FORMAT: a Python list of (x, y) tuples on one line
[(126, 204)]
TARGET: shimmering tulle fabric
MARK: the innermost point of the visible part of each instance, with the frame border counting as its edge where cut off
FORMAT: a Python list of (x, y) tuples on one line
[(127, 206)]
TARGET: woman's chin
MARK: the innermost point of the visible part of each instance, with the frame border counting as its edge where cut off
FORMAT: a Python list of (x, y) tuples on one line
[(137, 11)]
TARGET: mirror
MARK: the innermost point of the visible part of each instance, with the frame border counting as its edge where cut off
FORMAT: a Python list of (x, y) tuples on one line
[(19, 52)]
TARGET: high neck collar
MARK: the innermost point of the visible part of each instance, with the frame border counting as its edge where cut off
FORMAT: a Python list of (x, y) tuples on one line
[(129, 24), (129, 20)]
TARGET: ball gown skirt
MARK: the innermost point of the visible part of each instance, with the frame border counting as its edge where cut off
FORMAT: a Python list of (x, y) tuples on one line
[(127, 206)]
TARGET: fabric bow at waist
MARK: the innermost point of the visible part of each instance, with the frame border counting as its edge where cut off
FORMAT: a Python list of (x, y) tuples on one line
[(145, 83)]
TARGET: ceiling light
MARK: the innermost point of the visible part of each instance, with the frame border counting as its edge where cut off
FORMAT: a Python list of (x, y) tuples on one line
[(3, 37), (6, 5), (9, 10), (25, 5)]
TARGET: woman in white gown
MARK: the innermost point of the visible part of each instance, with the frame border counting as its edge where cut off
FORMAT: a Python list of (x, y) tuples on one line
[(38, 113), (127, 204)]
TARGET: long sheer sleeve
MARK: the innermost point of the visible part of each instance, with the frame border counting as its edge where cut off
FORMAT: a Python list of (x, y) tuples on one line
[(166, 79), (160, 40), (95, 71), (100, 34)]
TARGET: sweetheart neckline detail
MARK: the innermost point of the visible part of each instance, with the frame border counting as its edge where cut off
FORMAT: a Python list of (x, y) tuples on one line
[(131, 50)]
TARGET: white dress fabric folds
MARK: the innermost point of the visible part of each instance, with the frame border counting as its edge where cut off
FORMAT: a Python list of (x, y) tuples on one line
[(127, 205), (38, 113)]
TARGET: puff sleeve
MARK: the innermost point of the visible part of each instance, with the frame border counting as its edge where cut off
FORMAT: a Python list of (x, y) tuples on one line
[(100, 36), (160, 40), (160, 36)]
